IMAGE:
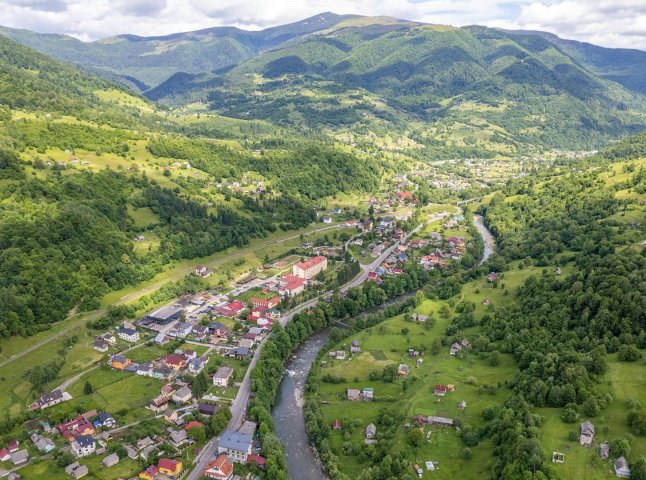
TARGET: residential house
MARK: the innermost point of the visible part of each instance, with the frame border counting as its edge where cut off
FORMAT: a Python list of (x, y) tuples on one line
[(158, 404), (43, 444), (196, 365), (128, 334), (604, 450), (183, 395), (176, 362), (368, 394), (440, 421), (200, 331), (232, 309), (100, 346), (170, 415), (4, 455), (622, 469), (48, 399), (76, 470), (219, 330), (439, 390), (340, 354), (13, 446), (169, 467), (110, 460), (455, 348), (202, 271), (219, 469), (353, 394), (119, 362), (492, 277), (183, 330), (150, 473), (83, 446), (145, 369), (19, 457), (178, 437), (242, 353), (108, 337), (587, 434), (161, 372), (371, 431), (208, 409), (403, 370), (187, 353), (236, 445), (246, 342), (222, 376)]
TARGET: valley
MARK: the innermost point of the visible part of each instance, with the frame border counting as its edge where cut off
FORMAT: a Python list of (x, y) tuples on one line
[(348, 248)]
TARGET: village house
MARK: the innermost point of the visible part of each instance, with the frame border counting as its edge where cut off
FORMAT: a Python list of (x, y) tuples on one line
[(83, 446), (13, 446), (208, 409), (169, 467), (76, 470), (440, 421), (403, 370), (108, 337), (104, 420), (196, 365), (110, 460), (219, 469), (236, 445), (439, 390), (353, 395), (128, 334), (150, 473), (20, 457), (455, 348), (176, 362), (48, 399), (587, 434), (77, 427), (354, 347), (158, 404), (4, 455), (100, 346), (246, 342), (145, 369), (119, 362), (43, 444), (492, 277), (222, 376), (622, 469), (178, 437), (183, 395), (170, 415), (604, 450), (370, 432), (218, 330), (202, 271)]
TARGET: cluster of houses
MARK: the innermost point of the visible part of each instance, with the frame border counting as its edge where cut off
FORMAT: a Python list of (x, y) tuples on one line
[(457, 347), (586, 439), (182, 361), (13, 453)]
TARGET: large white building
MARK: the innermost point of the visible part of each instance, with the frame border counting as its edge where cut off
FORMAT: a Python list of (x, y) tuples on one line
[(311, 268)]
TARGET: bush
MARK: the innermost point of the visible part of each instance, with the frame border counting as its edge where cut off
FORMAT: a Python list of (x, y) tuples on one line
[(569, 415)]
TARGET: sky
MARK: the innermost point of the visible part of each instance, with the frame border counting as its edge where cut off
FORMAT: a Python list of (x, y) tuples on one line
[(610, 23)]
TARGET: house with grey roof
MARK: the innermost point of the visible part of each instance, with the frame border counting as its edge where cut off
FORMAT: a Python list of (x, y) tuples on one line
[(76, 470), (110, 460), (236, 445), (587, 434), (622, 469), (20, 457)]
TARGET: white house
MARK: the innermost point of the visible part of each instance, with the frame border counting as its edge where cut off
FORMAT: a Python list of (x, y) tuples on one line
[(222, 376), (128, 334), (83, 446)]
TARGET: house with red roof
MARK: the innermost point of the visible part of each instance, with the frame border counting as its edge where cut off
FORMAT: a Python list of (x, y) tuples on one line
[(176, 362), (267, 304), (150, 473), (257, 459), (169, 466), (231, 309), (4, 454), (291, 285), (219, 469), (193, 424), (13, 446), (310, 268)]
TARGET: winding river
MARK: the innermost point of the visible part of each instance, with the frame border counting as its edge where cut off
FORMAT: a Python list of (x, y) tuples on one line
[(302, 461)]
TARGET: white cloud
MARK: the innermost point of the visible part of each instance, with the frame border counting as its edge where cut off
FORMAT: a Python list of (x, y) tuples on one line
[(614, 23)]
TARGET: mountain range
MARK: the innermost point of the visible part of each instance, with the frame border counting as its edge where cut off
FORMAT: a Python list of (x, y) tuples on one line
[(482, 90)]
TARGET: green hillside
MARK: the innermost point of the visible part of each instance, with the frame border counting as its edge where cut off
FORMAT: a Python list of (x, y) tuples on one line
[(86, 168)]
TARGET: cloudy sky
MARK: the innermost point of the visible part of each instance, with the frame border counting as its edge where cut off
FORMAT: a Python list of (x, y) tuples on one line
[(612, 23)]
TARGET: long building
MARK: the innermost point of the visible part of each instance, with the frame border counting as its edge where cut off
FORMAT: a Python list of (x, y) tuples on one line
[(311, 268), (165, 314)]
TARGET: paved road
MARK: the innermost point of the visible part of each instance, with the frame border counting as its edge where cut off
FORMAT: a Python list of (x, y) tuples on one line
[(239, 406), (93, 315)]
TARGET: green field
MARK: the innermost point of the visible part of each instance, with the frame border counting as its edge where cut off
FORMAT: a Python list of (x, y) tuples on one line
[(385, 344)]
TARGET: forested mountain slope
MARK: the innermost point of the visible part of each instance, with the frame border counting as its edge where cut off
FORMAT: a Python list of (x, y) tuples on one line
[(86, 167)]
